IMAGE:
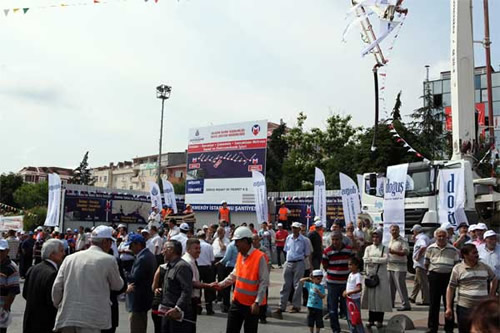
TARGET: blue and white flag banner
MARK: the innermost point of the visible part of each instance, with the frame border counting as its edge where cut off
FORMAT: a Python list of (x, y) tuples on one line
[(452, 196), (169, 193), (350, 198), (319, 195), (54, 204), (154, 192), (394, 199), (260, 193)]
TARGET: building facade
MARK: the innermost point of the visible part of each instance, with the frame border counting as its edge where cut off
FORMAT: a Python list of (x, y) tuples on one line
[(441, 91), (136, 174), (35, 175)]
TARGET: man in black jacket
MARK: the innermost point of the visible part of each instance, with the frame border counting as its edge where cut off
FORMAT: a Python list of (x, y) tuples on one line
[(317, 244), (40, 313), (177, 291), (139, 293)]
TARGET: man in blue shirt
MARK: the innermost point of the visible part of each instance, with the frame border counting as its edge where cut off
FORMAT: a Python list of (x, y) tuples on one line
[(296, 249)]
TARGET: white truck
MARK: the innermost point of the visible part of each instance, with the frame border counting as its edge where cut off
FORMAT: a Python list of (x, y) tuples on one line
[(421, 196)]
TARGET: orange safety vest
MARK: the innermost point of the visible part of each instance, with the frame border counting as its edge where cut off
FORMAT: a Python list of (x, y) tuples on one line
[(283, 212), (247, 279), (224, 214)]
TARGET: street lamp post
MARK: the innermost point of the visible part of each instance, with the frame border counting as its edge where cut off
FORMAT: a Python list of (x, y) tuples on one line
[(163, 93)]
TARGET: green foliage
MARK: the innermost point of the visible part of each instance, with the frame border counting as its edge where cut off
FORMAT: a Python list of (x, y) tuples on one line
[(37, 219), (8, 185), (396, 111), (82, 175), (31, 195), (180, 188), (277, 150), (427, 124)]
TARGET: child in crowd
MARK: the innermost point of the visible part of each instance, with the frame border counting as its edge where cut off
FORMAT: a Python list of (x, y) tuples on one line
[(314, 302), (353, 290)]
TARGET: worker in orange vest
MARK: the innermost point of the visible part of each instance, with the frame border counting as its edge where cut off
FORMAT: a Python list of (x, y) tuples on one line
[(251, 279), (224, 212), (283, 213)]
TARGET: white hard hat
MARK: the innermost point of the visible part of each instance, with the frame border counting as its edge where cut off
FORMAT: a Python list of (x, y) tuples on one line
[(318, 224), (317, 218), (223, 202), (184, 226), (242, 232)]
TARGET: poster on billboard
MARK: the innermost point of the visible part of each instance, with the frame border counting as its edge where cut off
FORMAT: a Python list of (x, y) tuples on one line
[(301, 210), (220, 163), (11, 223)]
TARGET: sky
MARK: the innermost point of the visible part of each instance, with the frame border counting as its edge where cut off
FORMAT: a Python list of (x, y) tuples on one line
[(82, 77)]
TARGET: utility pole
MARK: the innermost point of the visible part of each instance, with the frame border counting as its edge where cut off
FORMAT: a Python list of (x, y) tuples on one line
[(163, 93)]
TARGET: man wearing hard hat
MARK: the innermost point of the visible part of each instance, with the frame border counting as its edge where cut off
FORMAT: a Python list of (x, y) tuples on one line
[(251, 278)]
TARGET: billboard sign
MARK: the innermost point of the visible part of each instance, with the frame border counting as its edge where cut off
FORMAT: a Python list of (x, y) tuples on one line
[(220, 162), (300, 209)]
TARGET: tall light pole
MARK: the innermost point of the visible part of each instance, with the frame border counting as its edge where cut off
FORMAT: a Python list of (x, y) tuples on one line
[(163, 93)]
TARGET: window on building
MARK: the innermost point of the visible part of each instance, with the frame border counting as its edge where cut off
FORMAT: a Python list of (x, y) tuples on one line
[(438, 101), (446, 86), (496, 93), (143, 185), (105, 178), (496, 108), (178, 174), (495, 79), (477, 96), (446, 100), (437, 87), (484, 84), (484, 95), (477, 81)]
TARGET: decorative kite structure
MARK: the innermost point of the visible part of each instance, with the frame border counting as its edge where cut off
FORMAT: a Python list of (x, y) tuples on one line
[(390, 16)]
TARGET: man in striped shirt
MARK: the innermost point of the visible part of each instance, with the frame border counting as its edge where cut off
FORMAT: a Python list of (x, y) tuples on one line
[(470, 281), (335, 260), (440, 258)]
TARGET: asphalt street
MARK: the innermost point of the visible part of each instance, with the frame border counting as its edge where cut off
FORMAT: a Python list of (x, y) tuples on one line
[(292, 323)]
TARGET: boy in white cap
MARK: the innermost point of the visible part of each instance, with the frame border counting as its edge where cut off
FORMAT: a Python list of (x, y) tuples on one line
[(315, 300)]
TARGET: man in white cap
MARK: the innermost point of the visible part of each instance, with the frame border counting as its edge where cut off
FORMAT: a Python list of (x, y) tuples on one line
[(450, 229), (317, 244), (472, 232), (462, 237), (489, 252), (281, 236), (182, 236), (9, 281), (480, 230), (82, 287), (421, 281), (155, 217), (296, 248)]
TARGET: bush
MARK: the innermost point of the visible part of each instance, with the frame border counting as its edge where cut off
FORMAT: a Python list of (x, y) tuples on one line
[(34, 217)]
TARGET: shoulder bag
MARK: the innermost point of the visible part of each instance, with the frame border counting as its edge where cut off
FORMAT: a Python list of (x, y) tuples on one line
[(371, 281)]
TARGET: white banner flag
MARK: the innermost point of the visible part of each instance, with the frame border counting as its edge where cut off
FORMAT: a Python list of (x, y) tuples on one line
[(169, 193), (154, 192), (350, 198), (394, 199), (260, 192), (452, 196), (319, 195), (54, 204)]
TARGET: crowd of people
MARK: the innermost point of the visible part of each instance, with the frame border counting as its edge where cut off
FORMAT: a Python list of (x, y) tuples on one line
[(74, 281)]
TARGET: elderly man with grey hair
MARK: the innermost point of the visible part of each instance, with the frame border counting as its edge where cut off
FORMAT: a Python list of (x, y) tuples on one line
[(83, 284), (440, 257), (40, 313)]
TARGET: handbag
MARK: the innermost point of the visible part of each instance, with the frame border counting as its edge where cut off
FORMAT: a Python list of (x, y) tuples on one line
[(354, 313), (371, 281)]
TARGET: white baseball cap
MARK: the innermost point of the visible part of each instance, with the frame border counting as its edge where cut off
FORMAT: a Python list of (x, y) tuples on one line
[(103, 231), (417, 228), (318, 224), (472, 227), (296, 225), (481, 226), (489, 233), (317, 218), (184, 226), (280, 224), (447, 226), (205, 226), (317, 272), (4, 245)]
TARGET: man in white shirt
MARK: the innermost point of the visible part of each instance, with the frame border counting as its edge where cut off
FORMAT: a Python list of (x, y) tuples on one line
[(182, 236), (205, 267), (192, 254), (154, 218), (421, 281), (219, 245), (155, 244), (489, 252), (173, 228)]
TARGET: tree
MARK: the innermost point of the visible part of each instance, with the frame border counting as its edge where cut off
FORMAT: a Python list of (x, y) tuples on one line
[(277, 150), (180, 188), (427, 124), (8, 185), (396, 113), (35, 217), (32, 195), (82, 174)]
